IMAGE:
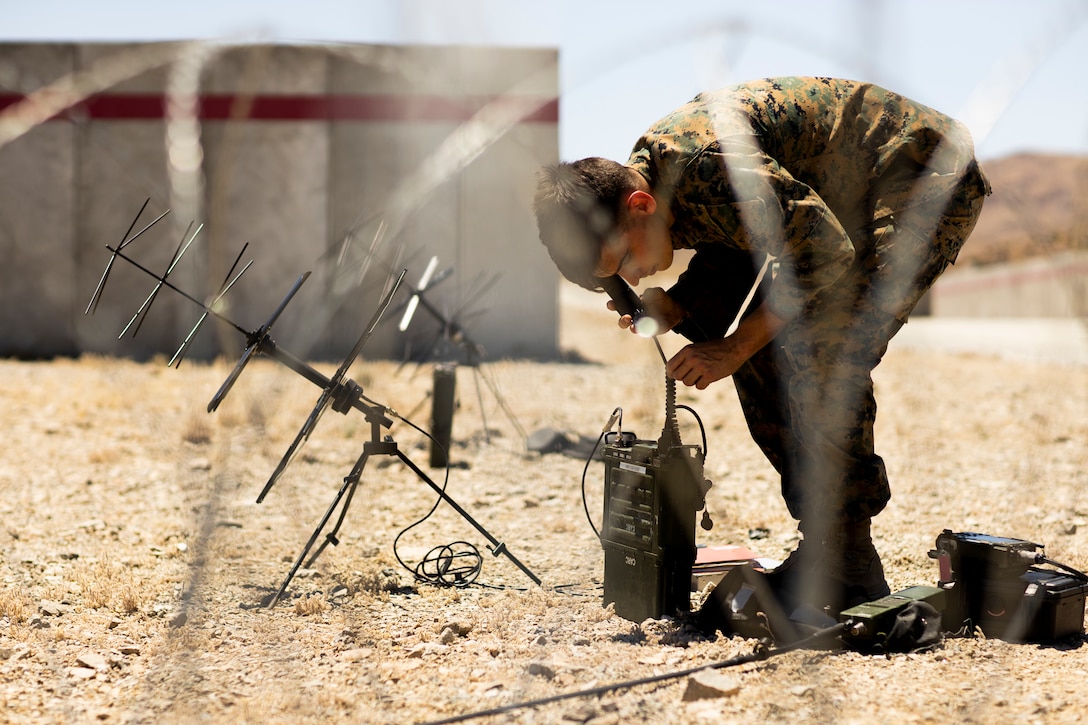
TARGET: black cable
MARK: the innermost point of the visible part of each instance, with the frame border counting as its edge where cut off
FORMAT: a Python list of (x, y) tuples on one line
[(702, 428), (1076, 573), (761, 653), (617, 415), (447, 566), (442, 563), (585, 504)]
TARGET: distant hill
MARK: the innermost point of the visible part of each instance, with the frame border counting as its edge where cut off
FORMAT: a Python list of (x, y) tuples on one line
[(1039, 207)]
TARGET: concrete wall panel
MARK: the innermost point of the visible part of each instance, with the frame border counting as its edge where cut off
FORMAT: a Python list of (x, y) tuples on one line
[(500, 239), (119, 165), (368, 161), (267, 184), (37, 216), (1048, 287), (477, 217), (124, 67)]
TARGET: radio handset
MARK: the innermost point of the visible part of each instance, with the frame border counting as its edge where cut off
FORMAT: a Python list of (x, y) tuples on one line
[(628, 303)]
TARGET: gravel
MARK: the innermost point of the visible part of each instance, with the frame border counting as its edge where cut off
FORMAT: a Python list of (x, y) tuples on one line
[(135, 562)]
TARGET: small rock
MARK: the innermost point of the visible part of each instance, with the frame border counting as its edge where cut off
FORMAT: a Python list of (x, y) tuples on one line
[(200, 464), (448, 636), (82, 673), (582, 714), (460, 627), (708, 684), (426, 648), (53, 609), (542, 669), (356, 655), (93, 660)]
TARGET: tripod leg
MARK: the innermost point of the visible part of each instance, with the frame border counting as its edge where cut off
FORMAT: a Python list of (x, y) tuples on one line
[(349, 487), (330, 538), (497, 547)]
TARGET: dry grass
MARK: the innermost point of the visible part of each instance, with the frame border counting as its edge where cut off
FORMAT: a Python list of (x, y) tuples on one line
[(16, 605), (310, 605)]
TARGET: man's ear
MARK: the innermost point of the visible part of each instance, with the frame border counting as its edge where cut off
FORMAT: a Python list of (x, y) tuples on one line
[(641, 203)]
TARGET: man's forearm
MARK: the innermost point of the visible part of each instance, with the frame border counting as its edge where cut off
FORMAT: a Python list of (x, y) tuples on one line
[(702, 363), (757, 329)]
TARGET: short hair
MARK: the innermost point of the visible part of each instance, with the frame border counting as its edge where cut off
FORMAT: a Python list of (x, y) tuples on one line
[(577, 206)]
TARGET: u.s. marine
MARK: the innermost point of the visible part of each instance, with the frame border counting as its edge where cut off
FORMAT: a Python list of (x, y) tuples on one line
[(857, 199)]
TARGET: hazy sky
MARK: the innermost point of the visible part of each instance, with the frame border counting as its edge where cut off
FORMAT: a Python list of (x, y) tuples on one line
[(1013, 70)]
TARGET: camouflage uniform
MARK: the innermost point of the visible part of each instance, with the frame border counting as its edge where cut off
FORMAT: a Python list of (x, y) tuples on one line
[(862, 198)]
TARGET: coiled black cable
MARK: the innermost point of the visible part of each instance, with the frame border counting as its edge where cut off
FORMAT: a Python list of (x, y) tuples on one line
[(451, 565)]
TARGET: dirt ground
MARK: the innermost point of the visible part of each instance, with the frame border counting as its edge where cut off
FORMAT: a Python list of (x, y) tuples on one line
[(134, 558)]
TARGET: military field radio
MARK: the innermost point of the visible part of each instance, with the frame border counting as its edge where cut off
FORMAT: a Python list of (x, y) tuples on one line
[(652, 492)]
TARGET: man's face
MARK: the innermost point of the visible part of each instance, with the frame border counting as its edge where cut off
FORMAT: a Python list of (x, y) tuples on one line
[(640, 249)]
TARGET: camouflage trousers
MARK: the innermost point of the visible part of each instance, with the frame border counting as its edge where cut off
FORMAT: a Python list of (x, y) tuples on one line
[(808, 396)]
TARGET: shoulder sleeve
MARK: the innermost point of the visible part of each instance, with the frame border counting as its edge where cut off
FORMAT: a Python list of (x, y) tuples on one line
[(735, 190)]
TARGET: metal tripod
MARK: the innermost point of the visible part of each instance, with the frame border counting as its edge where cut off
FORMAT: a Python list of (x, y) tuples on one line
[(386, 447)]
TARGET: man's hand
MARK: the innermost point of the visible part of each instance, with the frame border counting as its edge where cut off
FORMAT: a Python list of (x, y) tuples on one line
[(658, 305), (703, 363)]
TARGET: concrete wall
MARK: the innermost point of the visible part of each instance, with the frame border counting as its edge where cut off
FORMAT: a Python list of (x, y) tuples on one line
[(1054, 286), (37, 216), (304, 152)]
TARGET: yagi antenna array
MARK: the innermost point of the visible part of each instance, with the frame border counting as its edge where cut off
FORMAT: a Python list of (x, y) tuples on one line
[(337, 392)]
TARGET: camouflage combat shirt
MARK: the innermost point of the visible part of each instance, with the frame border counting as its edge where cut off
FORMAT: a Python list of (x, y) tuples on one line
[(802, 169)]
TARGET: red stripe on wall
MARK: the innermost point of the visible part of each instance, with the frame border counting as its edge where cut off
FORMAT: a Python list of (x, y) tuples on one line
[(222, 107)]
